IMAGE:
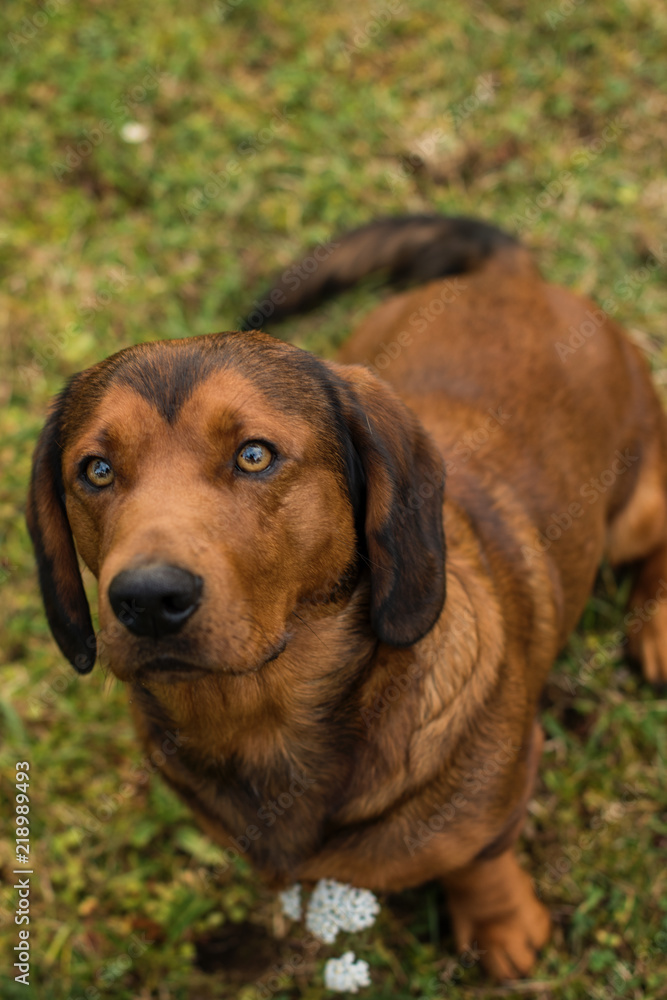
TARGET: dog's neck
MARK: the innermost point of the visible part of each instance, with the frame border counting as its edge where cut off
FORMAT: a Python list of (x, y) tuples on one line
[(250, 716), (284, 753), (244, 740)]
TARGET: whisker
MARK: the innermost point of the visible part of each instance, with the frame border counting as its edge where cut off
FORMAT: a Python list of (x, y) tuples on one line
[(299, 618)]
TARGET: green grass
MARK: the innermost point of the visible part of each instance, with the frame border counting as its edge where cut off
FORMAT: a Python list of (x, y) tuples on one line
[(550, 123)]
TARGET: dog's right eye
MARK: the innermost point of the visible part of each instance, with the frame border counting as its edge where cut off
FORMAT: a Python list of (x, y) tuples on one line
[(99, 473), (254, 456)]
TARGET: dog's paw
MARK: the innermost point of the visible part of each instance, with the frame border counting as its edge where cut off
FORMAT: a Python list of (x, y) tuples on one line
[(646, 620), (647, 635), (506, 942)]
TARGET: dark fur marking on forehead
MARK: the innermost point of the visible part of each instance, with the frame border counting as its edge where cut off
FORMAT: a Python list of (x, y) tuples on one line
[(166, 373), (167, 379)]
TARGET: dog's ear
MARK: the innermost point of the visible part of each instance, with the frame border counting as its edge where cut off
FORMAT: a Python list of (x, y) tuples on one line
[(404, 477), (59, 576)]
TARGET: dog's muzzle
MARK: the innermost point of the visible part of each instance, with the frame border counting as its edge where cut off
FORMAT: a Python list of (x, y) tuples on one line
[(155, 600)]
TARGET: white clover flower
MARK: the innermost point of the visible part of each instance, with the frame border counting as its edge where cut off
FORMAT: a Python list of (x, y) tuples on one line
[(290, 901), (134, 132), (334, 906), (344, 975)]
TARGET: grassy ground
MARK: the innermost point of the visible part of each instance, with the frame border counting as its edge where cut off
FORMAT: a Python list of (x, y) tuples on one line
[(265, 127)]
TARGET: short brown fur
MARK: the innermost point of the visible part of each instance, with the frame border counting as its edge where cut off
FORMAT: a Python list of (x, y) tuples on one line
[(323, 581)]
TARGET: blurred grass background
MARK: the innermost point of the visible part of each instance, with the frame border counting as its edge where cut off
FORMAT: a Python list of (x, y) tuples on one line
[(157, 163)]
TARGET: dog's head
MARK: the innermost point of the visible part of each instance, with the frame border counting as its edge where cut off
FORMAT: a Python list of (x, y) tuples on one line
[(214, 486)]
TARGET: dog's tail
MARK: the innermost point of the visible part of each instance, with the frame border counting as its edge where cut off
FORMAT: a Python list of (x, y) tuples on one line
[(401, 251)]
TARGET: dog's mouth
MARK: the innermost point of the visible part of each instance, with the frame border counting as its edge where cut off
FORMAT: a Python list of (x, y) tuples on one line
[(172, 669)]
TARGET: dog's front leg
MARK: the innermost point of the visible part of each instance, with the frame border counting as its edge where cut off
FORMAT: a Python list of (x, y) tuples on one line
[(495, 912)]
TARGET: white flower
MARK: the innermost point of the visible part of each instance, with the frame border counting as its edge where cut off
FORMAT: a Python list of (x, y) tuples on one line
[(335, 907), (134, 132), (357, 909), (290, 900), (344, 975)]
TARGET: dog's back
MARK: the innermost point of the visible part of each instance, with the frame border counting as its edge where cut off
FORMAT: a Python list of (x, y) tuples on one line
[(520, 383)]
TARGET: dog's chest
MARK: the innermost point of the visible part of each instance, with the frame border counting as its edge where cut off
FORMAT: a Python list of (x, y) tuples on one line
[(275, 812)]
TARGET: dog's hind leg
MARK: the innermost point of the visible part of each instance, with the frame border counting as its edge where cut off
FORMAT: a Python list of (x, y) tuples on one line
[(638, 534)]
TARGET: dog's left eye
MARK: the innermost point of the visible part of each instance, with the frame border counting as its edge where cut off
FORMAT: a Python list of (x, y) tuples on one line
[(254, 457), (99, 473)]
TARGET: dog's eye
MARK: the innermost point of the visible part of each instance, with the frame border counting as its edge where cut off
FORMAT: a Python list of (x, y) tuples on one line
[(254, 457), (99, 472)]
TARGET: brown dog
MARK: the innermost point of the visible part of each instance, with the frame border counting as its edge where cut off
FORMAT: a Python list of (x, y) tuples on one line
[(268, 531)]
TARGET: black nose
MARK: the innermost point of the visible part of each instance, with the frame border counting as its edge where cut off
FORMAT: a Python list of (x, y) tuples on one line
[(154, 600)]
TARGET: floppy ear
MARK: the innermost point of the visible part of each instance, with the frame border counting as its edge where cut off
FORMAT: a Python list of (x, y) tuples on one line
[(404, 482), (59, 576)]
